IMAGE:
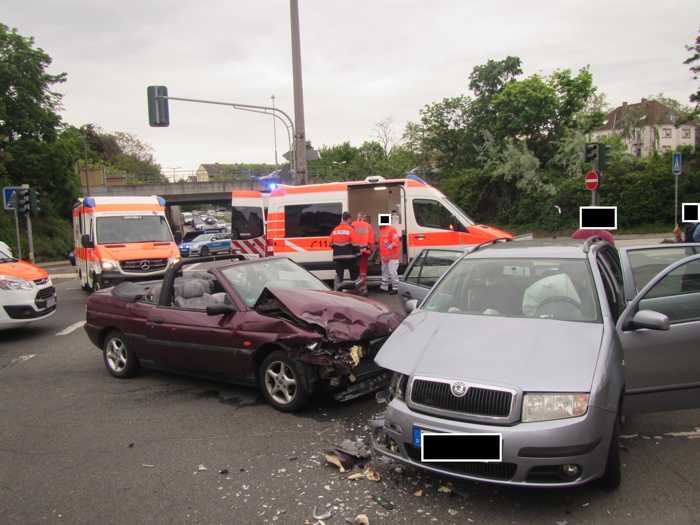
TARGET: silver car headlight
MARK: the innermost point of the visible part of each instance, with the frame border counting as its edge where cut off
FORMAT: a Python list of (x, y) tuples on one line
[(7, 282), (546, 407), (109, 266)]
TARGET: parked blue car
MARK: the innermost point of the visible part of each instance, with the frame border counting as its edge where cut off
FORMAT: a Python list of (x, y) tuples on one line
[(206, 244)]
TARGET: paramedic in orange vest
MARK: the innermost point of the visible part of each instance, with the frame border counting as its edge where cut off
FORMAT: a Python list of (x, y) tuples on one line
[(344, 254), (390, 254), (362, 240)]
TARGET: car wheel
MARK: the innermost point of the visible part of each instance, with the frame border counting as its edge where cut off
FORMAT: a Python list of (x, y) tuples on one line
[(283, 382), (119, 360), (96, 283), (612, 477), (204, 252)]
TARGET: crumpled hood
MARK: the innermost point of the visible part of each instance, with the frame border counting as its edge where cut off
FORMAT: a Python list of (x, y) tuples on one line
[(23, 270), (343, 317), (529, 354)]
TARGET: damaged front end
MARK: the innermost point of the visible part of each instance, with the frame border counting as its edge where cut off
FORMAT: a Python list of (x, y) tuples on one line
[(338, 336)]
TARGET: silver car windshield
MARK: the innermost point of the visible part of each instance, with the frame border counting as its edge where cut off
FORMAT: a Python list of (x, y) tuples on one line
[(250, 279), (560, 289)]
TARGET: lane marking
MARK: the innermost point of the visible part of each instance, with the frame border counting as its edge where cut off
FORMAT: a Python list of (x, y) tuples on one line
[(20, 359), (72, 328)]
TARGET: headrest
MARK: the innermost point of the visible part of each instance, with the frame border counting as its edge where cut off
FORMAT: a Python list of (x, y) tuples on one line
[(193, 288)]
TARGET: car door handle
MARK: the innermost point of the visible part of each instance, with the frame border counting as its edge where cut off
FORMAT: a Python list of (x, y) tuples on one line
[(158, 320), (420, 237)]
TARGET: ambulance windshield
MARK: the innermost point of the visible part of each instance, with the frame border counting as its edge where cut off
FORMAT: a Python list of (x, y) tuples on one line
[(133, 228)]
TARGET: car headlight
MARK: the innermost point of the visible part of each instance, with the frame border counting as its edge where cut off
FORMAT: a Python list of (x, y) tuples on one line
[(108, 265), (7, 282), (546, 407), (397, 386), (174, 260)]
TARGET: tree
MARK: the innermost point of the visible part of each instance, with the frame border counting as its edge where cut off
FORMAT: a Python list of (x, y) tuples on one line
[(385, 135), (693, 61), (28, 106)]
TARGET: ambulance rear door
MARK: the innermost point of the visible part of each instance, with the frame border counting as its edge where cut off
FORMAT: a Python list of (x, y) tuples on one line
[(248, 215)]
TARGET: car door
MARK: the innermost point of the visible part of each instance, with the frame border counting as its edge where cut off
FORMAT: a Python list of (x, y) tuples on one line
[(194, 342), (662, 367), (641, 263), (423, 273)]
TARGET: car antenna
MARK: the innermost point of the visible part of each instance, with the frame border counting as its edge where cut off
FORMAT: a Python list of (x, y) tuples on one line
[(490, 241)]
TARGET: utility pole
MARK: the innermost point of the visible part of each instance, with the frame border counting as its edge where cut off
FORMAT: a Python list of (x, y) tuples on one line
[(300, 135), (274, 129)]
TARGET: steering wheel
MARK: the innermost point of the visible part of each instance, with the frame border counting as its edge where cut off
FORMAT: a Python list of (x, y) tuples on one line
[(558, 299)]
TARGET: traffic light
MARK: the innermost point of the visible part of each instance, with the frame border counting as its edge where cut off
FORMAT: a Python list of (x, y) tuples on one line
[(158, 112), (24, 204), (592, 152), (603, 155), (34, 202)]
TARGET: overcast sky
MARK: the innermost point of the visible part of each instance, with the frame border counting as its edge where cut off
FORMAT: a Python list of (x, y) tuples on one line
[(363, 60)]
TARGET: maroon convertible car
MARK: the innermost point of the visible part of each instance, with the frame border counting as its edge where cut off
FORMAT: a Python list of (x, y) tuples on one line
[(265, 321)]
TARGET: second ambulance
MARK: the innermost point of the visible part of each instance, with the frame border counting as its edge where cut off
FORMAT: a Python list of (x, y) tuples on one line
[(122, 238)]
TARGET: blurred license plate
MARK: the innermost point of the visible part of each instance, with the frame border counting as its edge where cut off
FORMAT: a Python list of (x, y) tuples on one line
[(458, 446)]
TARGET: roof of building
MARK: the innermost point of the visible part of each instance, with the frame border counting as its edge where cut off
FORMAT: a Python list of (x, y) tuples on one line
[(644, 113)]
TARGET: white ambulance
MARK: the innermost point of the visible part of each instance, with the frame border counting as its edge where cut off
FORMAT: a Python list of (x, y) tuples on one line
[(296, 221), (122, 239)]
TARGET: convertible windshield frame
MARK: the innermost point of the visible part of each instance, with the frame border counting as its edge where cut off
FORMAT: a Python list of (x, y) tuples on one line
[(590, 301), (249, 269)]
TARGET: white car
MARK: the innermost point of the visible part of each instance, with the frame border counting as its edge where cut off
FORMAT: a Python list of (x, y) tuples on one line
[(26, 292)]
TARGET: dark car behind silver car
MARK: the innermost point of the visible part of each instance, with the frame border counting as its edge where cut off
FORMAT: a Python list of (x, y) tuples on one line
[(534, 344)]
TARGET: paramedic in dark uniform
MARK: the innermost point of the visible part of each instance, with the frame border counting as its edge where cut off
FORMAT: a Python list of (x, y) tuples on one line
[(344, 253)]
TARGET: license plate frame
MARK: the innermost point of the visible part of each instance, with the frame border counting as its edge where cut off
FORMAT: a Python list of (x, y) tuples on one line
[(484, 444)]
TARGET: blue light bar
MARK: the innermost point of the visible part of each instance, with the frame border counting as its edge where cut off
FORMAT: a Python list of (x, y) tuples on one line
[(89, 202)]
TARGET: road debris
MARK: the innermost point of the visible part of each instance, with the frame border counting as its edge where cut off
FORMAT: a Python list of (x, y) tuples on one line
[(691, 435), (418, 493), (223, 471), (445, 489), (131, 445), (325, 516), (388, 505), (201, 468), (452, 512), (629, 436), (147, 465)]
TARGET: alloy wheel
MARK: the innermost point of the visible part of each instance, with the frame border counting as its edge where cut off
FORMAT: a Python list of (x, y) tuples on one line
[(116, 355), (280, 382)]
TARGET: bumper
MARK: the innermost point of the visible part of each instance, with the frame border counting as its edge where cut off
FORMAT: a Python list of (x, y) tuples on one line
[(21, 307), (114, 278), (533, 453)]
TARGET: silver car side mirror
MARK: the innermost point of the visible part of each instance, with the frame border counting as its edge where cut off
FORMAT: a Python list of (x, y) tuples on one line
[(411, 305), (651, 320)]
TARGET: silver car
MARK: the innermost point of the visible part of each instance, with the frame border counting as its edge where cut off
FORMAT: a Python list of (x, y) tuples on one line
[(531, 350)]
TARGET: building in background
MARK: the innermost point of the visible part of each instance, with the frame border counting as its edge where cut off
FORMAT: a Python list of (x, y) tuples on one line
[(647, 126)]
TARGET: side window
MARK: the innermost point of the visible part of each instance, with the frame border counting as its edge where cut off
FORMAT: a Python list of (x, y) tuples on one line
[(435, 265), (311, 220), (650, 262), (430, 213), (414, 272), (677, 295)]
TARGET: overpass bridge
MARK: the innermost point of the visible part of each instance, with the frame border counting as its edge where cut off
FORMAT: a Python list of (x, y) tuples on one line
[(174, 192)]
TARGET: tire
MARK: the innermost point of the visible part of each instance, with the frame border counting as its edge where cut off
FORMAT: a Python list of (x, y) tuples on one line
[(612, 477), (204, 252), (119, 360), (283, 395)]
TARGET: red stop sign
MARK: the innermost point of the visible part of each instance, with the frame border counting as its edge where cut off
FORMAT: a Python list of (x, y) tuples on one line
[(592, 180)]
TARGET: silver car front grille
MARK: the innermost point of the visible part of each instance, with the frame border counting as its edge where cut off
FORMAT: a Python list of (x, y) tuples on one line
[(468, 399)]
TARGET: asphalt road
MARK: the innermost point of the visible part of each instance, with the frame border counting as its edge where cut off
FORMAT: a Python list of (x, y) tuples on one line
[(78, 446)]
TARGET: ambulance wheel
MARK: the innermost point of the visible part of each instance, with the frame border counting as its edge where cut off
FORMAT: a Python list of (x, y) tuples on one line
[(95, 283)]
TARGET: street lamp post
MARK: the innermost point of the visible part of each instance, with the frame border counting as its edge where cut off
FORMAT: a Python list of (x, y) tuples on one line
[(274, 129)]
